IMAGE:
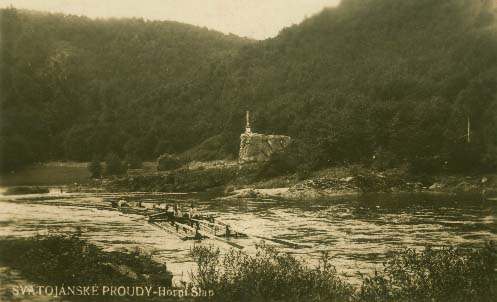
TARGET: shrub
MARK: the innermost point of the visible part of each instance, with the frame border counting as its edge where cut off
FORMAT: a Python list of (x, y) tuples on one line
[(95, 168), (267, 276), (431, 165), (113, 165), (133, 162), (384, 159), (280, 163), (447, 274), (216, 147), (168, 162), (303, 171), (70, 260), (202, 179), (370, 181)]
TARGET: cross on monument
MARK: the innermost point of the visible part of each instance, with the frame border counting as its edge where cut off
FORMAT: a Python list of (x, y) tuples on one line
[(247, 124)]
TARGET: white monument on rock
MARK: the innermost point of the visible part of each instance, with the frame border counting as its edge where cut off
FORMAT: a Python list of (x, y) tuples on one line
[(255, 147), (247, 124)]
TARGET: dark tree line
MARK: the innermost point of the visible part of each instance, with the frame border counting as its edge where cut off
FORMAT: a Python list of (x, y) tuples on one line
[(392, 80), (75, 88), (396, 80)]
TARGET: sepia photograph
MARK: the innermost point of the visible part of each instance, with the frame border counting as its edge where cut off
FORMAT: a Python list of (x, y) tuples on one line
[(248, 150)]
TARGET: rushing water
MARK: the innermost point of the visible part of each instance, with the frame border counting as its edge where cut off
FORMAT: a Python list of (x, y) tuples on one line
[(356, 231)]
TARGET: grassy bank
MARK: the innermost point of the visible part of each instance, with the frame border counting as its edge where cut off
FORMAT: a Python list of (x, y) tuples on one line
[(447, 274), (69, 260), (25, 190), (254, 180), (228, 176), (192, 177), (46, 174)]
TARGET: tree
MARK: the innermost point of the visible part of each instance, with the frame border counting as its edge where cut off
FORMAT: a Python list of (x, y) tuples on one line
[(113, 164), (95, 168), (168, 162), (133, 161), (350, 81)]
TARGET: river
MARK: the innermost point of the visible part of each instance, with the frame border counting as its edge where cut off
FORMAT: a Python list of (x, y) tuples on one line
[(356, 231)]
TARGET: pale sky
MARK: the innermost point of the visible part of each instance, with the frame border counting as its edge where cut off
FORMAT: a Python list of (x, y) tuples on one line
[(257, 19)]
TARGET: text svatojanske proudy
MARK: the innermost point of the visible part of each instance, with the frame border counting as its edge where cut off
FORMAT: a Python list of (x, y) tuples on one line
[(110, 290)]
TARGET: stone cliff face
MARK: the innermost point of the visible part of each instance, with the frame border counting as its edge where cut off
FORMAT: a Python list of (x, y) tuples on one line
[(256, 147)]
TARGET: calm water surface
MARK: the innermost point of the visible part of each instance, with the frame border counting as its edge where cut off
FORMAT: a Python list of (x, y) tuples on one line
[(356, 231)]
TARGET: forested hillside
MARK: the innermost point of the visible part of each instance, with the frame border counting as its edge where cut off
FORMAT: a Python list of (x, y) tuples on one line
[(76, 88), (392, 79), (397, 80)]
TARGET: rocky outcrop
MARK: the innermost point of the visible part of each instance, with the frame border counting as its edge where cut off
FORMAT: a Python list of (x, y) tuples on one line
[(256, 147)]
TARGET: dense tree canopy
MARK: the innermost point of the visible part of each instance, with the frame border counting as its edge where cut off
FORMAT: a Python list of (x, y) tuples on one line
[(385, 78), (375, 77), (77, 88)]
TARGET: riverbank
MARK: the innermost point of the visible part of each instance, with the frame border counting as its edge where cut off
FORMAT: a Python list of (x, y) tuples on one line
[(69, 267), (346, 181), (251, 181), (231, 180), (26, 190), (66, 265), (47, 174), (446, 274)]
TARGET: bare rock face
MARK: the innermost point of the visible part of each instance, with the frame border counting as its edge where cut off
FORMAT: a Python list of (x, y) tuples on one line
[(256, 147)]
